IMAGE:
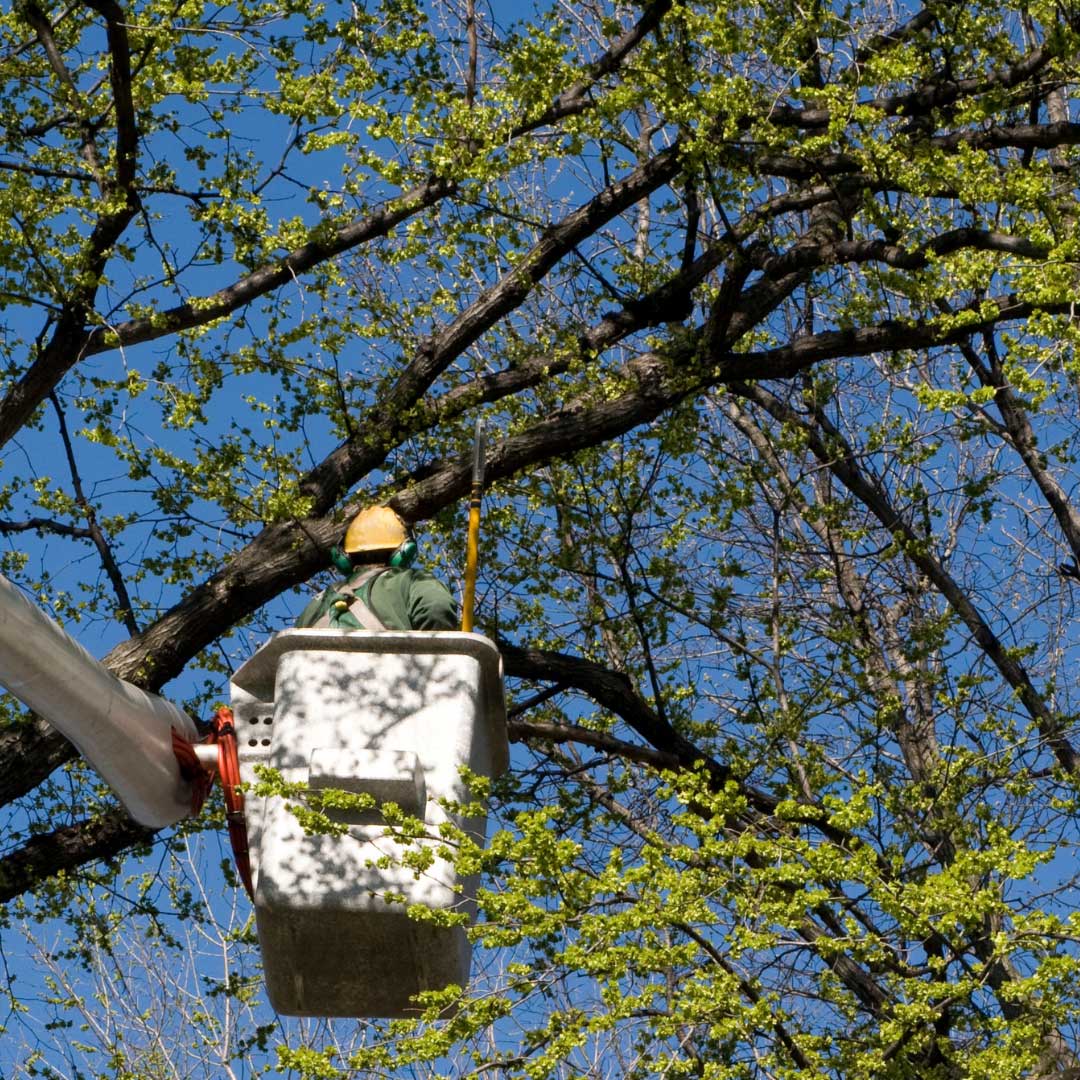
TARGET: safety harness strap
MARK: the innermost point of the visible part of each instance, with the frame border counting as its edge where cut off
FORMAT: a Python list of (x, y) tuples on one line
[(352, 597)]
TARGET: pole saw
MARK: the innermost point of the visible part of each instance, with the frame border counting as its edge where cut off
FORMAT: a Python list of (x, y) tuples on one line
[(472, 543)]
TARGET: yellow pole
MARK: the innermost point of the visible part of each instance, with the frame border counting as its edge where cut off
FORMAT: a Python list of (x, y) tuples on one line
[(472, 542)]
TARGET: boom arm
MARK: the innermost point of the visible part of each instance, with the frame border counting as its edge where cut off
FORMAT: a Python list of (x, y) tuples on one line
[(124, 732)]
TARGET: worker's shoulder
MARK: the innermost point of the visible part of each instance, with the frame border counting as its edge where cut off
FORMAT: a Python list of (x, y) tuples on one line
[(410, 575)]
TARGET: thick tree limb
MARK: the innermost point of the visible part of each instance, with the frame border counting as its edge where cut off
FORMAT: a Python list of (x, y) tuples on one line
[(127, 131), (66, 849)]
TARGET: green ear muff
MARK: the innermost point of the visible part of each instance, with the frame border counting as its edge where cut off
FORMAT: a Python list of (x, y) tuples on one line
[(340, 560), (405, 555)]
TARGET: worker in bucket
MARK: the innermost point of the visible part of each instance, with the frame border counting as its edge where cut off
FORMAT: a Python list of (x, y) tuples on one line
[(381, 589)]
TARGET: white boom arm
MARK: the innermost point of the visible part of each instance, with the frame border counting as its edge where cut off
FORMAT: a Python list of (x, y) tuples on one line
[(124, 732)]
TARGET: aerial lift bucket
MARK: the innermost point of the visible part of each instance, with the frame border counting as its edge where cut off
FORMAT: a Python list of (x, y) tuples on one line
[(397, 716)]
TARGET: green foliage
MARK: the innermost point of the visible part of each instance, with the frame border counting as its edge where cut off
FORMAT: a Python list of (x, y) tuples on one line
[(770, 311)]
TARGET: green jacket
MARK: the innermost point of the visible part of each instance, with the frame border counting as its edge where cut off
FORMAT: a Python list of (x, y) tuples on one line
[(404, 599)]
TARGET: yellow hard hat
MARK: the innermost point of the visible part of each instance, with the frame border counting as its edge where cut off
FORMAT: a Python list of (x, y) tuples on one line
[(377, 528)]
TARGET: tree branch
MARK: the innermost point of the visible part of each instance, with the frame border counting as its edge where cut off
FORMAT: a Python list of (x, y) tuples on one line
[(830, 448), (125, 611)]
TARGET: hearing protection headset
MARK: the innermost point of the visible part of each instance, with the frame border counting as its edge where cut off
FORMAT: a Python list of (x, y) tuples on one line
[(378, 528), (403, 558)]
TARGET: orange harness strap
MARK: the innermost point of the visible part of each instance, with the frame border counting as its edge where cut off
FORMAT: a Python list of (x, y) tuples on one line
[(223, 734)]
